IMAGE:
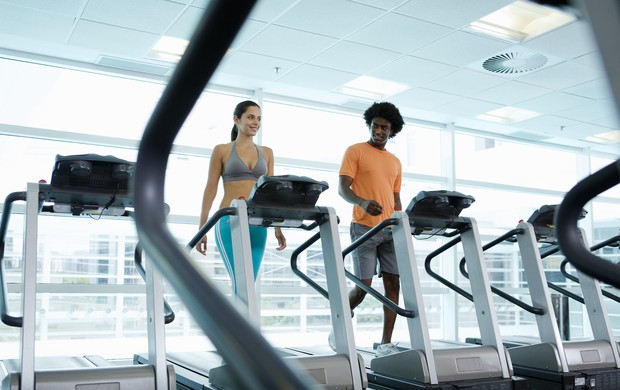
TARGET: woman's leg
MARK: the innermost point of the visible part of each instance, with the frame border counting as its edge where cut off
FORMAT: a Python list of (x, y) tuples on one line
[(223, 242), (258, 240)]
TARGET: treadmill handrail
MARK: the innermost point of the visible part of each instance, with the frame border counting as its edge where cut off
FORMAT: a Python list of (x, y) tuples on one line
[(548, 252), (4, 224), (504, 237), (439, 278), (209, 225), (593, 248), (250, 356), (380, 297), (366, 236), (567, 230), (551, 285), (169, 315), (229, 211)]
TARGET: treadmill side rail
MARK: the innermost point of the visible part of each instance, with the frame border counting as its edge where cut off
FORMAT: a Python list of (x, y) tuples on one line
[(331, 372), (139, 377)]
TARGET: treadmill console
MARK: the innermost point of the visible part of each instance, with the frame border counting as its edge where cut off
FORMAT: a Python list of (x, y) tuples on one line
[(432, 212), (90, 184), (542, 221), (287, 190), (285, 200)]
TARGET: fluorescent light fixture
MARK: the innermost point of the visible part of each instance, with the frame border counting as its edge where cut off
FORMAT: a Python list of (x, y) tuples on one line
[(171, 49), (608, 137), (168, 49), (521, 21), (372, 88), (507, 115)]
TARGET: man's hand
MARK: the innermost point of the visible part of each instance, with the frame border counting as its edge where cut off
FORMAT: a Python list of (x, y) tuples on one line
[(371, 207)]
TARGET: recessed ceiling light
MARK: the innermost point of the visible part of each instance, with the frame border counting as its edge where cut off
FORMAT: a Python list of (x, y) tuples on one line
[(171, 49), (168, 49), (608, 137), (508, 115), (521, 21), (372, 88)]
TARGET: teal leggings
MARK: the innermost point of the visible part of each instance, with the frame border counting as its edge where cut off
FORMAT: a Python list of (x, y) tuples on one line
[(223, 241)]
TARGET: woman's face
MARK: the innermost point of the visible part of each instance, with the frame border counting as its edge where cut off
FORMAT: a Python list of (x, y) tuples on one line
[(249, 123)]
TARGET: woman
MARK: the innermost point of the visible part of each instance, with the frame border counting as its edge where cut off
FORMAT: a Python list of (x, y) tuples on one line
[(239, 163)]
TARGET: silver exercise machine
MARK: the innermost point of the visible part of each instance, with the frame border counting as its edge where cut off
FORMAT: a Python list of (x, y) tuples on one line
[(81, 185), (288, 202), (555, 363)]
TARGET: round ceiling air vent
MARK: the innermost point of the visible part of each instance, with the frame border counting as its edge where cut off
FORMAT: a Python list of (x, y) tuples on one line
[(514, 62)]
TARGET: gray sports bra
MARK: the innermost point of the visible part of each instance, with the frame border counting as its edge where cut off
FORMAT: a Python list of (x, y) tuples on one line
[(236, 170)]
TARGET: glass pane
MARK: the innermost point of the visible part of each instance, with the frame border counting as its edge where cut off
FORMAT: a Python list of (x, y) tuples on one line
[(310, 134), (68, 100), (210, 121), (497, 211), (606, 223), (597, 164), (419, 150), (504, 162)]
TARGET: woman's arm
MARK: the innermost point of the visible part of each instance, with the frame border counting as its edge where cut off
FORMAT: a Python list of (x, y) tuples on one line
[(215, 171)]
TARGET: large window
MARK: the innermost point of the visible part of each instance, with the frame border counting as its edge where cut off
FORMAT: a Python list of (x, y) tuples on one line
[(89, 287)]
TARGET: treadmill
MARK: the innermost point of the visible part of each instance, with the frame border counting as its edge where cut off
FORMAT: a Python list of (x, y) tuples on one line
[(95, 186), (554, 363), (424, 365), (289, 202)]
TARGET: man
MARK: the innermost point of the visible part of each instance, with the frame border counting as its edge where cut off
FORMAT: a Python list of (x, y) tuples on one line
[(370, 179)]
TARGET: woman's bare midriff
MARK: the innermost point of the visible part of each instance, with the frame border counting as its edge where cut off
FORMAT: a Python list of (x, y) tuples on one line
[(234, 189)]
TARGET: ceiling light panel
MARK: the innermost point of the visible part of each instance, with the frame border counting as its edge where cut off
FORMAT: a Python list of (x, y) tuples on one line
[(521, 21), (609, 137), (452, 13), (372, 88), (508, 115), (168, 49)]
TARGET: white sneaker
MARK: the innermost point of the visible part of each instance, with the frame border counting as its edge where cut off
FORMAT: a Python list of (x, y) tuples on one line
[(386, 349), (331, 340)]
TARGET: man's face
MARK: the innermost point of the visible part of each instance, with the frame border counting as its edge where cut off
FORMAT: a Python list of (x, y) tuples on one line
[(380, 131)]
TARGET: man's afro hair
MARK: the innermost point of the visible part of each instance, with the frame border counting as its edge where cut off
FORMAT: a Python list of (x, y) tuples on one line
[(387, 111)]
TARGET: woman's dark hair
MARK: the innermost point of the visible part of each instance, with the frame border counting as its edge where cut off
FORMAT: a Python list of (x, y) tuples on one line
[(387, 111), (239, 110)]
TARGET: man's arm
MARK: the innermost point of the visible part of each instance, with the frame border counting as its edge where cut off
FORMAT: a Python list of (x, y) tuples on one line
[(368, 205), (398, 206)]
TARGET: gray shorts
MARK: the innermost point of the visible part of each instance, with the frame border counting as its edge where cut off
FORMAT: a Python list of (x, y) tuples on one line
[(379, 247)]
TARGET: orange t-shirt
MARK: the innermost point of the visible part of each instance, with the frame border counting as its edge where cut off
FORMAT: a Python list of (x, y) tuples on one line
[(376, 174)]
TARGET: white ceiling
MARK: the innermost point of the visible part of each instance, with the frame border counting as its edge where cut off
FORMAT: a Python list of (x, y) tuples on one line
[(318, 45)]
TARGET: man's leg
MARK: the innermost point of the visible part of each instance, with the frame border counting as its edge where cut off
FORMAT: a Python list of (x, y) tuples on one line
[(364, 262), (357, 295), (391, 284)]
